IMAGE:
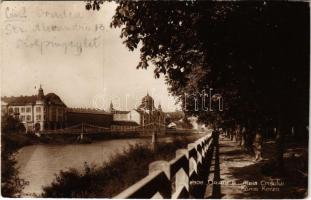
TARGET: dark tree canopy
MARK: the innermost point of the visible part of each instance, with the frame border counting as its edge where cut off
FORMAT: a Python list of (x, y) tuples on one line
[(10, 186), (255, 54), (10, 124)]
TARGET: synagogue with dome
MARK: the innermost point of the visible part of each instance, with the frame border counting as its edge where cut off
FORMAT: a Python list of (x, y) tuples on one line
[(149, 113), (146, 114)]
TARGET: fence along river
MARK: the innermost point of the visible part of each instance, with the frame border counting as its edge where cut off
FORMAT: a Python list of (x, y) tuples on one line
[(38, 163), (171, 179)]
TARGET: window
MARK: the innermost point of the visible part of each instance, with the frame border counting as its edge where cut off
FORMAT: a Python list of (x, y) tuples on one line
[(22, 118), (16, 110), (28, 109), (38, 117), (38, 109), (22, 109), (60, 111), (10, 110), (28, 118), (53, 110)]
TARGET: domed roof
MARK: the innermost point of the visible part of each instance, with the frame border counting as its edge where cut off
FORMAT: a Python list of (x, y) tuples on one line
[(52, 98), (147, 102), (147, 98)]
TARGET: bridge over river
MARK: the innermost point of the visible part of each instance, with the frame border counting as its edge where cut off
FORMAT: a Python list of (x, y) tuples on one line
[(91, 129)]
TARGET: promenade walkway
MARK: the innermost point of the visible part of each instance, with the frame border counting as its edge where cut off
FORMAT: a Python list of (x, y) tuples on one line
[(236, 175)]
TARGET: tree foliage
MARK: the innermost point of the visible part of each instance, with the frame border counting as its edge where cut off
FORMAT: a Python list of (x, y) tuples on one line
[(255, 54), (11, 184), (10, 124)]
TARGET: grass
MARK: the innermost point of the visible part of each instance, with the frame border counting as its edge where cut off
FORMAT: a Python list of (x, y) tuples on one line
[(111, 178)]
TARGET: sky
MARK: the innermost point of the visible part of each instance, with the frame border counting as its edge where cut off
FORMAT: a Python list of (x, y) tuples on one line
[(74, 53)]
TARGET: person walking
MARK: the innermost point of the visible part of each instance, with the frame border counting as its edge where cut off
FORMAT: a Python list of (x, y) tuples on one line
[(258, 142)]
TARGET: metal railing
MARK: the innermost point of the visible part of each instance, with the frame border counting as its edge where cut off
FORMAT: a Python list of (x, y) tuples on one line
[(86, 128)]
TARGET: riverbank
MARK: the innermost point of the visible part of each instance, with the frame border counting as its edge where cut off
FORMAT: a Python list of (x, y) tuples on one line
[(111, 178), (18, 140)]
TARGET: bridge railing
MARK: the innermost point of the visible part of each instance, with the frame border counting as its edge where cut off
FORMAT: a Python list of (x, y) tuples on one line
[(171, 179), (86, 128)]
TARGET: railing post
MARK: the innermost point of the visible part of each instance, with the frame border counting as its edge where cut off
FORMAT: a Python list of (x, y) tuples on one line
[(182, 176), (164, 190), (199, 152), (192, 165), (160, 165), (154, 141)]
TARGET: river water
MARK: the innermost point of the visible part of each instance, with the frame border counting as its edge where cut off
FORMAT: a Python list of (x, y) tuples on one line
[(38, 164)]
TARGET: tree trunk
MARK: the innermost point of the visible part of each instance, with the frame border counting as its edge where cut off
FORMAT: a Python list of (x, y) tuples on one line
[(244, 139), (280, 143)]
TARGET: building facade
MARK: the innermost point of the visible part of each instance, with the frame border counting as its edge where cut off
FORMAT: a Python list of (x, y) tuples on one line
[(94, 117), (146, 115), (122, 119), (119, 115), (37, 112), (149, 114)]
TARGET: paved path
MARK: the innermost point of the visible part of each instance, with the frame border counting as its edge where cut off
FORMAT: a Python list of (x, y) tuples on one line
[(230, 158), (236, 175)]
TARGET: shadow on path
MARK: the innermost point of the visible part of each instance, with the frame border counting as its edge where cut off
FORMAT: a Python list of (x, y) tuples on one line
[(236, 175), (216, 193)]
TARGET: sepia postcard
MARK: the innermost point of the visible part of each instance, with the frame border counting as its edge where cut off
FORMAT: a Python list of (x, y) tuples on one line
[(155, 99)]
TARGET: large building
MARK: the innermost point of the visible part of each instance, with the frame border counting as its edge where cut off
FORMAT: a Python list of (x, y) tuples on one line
[(122, 120), (48, 112), (149, 114), (36, 112), (144, 115)]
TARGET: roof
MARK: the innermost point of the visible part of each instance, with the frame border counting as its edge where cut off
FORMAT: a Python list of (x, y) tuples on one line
[(120, 112), (21, 100), (87, 110), (172, 124), (147, 98), (3, 103), (50, 98), (125, 123)]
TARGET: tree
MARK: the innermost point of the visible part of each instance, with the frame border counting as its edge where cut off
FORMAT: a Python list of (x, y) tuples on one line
[(10, 124), (256, 54), (11, 184)]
